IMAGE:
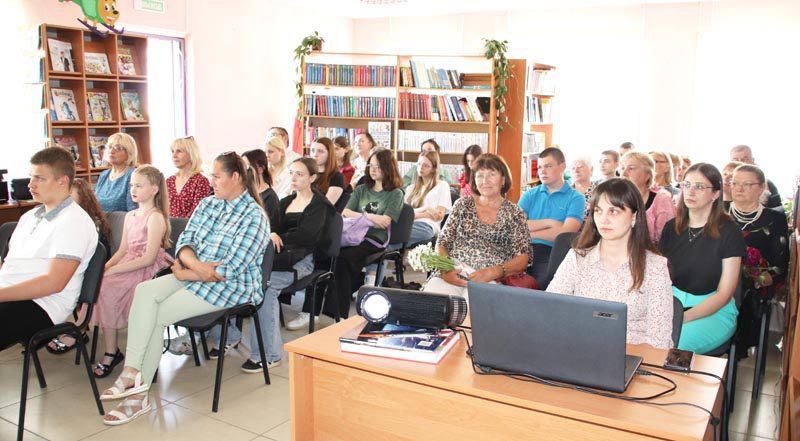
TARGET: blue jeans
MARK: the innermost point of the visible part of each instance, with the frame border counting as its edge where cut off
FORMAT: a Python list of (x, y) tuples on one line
[(268, 314)]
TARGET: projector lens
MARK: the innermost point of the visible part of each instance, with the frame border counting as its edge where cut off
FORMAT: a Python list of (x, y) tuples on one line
[(375, 306)]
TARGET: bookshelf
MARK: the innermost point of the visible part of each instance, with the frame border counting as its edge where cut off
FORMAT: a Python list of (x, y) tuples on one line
[(531, 93), (94, 117), (448, 98)]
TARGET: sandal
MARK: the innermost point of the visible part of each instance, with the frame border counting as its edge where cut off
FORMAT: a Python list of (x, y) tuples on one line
[(127, 415), (108, 368), (63, 348), (118, 390)]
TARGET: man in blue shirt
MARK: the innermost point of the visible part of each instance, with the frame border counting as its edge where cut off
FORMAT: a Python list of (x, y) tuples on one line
[(553, 208)]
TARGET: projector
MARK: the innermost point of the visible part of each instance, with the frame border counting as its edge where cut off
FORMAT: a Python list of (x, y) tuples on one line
[(410, 308)]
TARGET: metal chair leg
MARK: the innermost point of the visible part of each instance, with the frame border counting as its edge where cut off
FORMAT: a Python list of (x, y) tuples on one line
[(314, 303), (95, 336), (220, 363), (194, 347), (761, 351), (26, 365), (38, 366), (331, 293), (204, 342), (399, 272), (82, 350), (260, 339), (280, 315)]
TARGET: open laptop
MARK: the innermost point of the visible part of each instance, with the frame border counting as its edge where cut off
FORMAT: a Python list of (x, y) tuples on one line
[(570, 339)]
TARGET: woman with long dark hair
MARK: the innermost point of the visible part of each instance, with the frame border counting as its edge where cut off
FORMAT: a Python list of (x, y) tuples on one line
[(468, 161), (259, 165), (330, 182), (614, 259)]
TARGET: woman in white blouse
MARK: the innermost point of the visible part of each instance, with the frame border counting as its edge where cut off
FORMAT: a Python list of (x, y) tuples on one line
[(614, 259), (430, 198), (278, 166)]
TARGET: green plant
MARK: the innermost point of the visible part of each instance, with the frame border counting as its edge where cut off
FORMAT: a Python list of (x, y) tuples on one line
[(496, 50), (310, 43)]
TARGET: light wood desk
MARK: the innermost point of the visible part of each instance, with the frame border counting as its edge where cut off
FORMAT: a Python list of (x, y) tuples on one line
[(343, 396), (11, 211)]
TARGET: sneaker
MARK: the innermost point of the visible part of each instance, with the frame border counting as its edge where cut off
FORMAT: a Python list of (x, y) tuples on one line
[(179, 345), (300, 322), (214, 352), (254, 367)]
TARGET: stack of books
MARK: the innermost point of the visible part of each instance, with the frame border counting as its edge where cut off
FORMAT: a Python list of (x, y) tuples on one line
[(424, 345)]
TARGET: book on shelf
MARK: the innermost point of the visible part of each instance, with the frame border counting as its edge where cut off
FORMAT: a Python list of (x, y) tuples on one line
[(348, 106), (99, 110), (61, 55), (313, 133), (97, 149), (96, 63), (400, 342), (530, 174), (418, 75), (449, 142), (350, 75), (70, 144), (63, 101), (125, 65), (441, 107), (541, 81), (131, 106), (533, 142), (381, 132), (452, 169), (537, 109)]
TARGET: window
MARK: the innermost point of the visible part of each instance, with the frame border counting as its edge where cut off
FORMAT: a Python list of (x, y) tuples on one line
[(166, 97)]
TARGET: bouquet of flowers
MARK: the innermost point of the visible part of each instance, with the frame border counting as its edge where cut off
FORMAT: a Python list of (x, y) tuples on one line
[(756, 268), (425, 258)]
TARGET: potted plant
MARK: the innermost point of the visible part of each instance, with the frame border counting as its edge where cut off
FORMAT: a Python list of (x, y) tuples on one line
[(310, 43), (496, 50)]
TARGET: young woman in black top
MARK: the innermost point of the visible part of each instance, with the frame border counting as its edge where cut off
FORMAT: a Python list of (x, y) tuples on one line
[(330, 181), (260, 166)]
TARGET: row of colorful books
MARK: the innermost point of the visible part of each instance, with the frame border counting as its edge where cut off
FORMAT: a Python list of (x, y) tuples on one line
[(537, 109), (349, 106), (97, 148), (64, 108), (541, 81), (443, 107), (417, 75), (61, 59), (411, 343), (350, 75), (450, 142)]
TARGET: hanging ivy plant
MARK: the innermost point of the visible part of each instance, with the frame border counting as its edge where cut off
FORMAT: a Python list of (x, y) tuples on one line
[(496, 50), (310, 43)]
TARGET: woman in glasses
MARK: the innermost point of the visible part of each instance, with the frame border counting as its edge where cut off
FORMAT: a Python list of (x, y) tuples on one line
[(187, 187), (766, 234), (113, 185), (639, 168), (704, 249)]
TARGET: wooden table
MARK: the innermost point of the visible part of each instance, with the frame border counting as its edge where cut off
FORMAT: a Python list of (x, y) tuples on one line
[(11, 211), (343, 396)]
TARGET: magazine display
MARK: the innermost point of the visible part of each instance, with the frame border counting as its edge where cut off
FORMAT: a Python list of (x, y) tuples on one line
[(99, 109), (125, 64), (131, 106), (96, 63), (63, 101), (97, 149), (61, 55), (69, 144)]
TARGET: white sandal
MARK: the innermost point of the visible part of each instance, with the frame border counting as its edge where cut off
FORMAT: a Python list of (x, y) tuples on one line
[(128, 415), (118, 389)]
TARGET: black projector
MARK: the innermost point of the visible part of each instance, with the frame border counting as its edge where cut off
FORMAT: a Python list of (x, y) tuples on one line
[(410, 308)]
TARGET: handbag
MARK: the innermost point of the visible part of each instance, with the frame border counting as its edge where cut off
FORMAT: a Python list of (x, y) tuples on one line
[(354, 231), (521, 280)]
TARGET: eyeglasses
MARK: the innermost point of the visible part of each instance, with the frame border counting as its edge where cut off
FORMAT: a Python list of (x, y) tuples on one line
[(117, 147), (697, 186), (746, 185)]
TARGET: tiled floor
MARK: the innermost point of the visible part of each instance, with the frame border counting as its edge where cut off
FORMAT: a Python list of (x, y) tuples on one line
[(249, 410)]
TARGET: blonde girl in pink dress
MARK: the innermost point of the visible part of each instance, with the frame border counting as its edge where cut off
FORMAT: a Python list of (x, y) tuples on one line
[(140, 255)]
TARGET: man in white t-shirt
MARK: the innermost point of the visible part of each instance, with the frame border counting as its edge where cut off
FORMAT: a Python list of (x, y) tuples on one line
[(41, 277)]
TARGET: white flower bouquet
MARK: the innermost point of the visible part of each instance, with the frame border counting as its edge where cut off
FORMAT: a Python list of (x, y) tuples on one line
[(425, 258)]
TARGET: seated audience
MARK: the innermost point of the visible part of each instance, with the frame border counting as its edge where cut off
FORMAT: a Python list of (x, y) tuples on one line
[(343, 152), (663, 172), (280, 132), (552, 208), (582, 179), (365, 145), (380, 199), (613, 259), (609, 164), (330, 182), (41, 277), (743, 153), (485, 232), (427, 146), (468, 161), (259, 164), (140, 255), (625, 147), (113, 185), (218, 266), (430, 198), (766, 235), (676, 168), (727, 175), (685, 164), (278, 166), (188, 186), (638, 168), (704, 248)]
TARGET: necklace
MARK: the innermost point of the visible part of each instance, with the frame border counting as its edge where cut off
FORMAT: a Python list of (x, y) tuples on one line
[(694, 234), (744, 219)]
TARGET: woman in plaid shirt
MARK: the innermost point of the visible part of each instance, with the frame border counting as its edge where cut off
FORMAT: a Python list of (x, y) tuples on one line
[(218, 266)]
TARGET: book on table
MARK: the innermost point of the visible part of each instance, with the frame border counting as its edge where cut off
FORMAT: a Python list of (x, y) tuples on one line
[(96, 63), (131, 106), (401, 342), (63, 101), (99, 108), (125, 64), (61, 55)]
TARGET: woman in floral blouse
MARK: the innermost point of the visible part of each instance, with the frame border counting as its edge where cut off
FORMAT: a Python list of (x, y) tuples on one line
[(485, 232), (188, 186)]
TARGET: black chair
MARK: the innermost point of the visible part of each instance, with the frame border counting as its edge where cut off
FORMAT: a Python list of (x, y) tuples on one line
[(90, 288), (400, 232), (342, 202), (205, 322), (677, 321), (6, 230), (177, 225), (324, 267), (561, 247), (764, 313), (116, 223)]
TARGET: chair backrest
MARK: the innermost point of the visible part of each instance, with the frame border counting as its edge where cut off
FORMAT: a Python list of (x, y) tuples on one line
[(266, 264), (177, 225), (116, 222), (93, 276), (677, 321), (561, 247), (334, 235), (342, 202), (6, 230), (401, 230)]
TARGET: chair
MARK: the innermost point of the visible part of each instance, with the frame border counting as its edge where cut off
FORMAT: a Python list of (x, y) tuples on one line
[(205, 322), (92, 278), (400, 232), (322, 274), (677, 320), (342, 202), (764, 313), (116, 223), (177, 225), (6, 230), (561, 246)]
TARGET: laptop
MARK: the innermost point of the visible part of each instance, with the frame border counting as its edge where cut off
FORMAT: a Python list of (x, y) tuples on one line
[(565, 338)]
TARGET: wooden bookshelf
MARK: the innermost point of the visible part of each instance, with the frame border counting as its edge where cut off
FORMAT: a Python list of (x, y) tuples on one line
[(80, 82), (461, 64)]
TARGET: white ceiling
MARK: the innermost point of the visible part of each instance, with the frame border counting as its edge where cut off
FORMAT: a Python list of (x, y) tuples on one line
[(361, 9)]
